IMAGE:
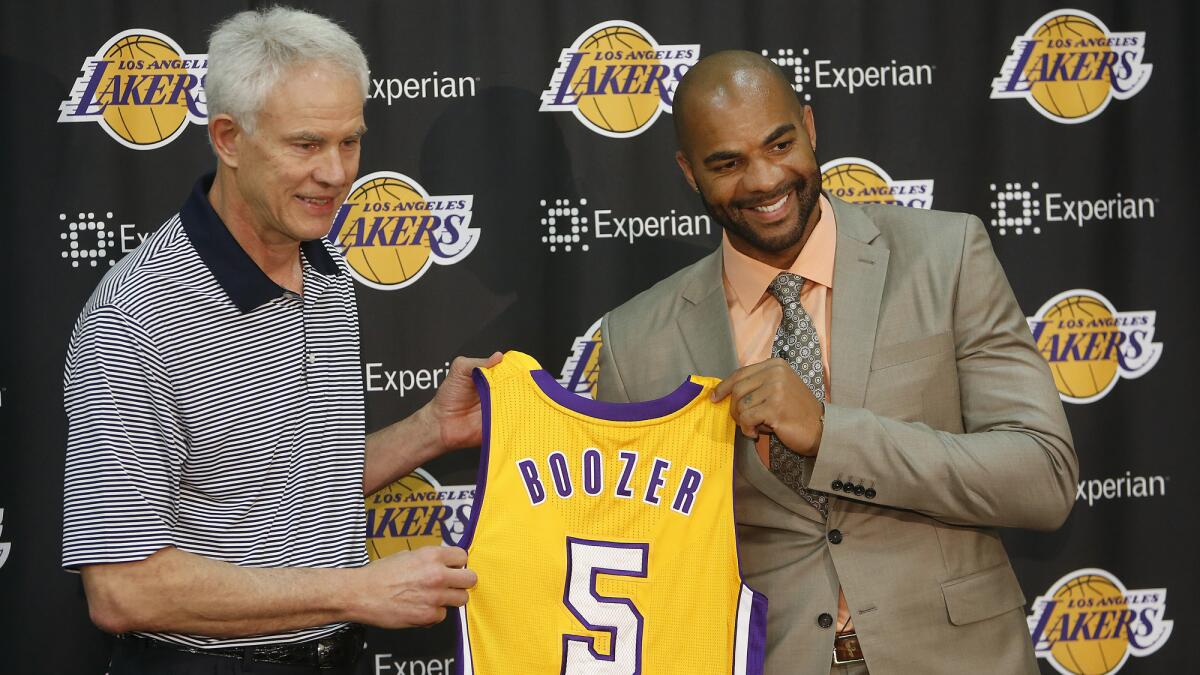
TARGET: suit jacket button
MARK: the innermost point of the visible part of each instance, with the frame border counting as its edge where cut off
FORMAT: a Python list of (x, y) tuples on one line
[(848, 487), (825, 620), (870, 493), (859, 490), (836, 485), (835, 536)]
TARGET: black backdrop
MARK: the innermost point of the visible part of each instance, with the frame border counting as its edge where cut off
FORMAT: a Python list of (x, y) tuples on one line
[(1089, 211)]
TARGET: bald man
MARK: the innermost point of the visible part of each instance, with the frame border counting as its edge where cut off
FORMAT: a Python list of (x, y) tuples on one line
[(883, 438)]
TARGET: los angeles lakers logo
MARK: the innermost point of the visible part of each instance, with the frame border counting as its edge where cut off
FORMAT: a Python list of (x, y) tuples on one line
[(416, 511), (1069, 65), (141, 88), (617, 79), (861, 181), (391, 231), (1090, 345), (583, 365), (1088, 623)]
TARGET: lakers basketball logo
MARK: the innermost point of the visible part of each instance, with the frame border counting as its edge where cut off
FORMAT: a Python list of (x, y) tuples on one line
[(1088, 623), (141, 88), (391, 231), (583, 365), (1090, 345), (1069, 65), (861, 181), (617, 79), (416, 511)]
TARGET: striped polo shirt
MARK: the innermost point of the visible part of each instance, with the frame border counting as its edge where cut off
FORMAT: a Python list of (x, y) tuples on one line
[(212, 410)]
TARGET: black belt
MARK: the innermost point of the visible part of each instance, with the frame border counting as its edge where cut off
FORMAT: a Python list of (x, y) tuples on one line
[(335, 650)]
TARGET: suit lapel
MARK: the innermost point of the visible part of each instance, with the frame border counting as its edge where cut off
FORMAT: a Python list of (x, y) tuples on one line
[(704, 321), (858, 275), (704, 325)]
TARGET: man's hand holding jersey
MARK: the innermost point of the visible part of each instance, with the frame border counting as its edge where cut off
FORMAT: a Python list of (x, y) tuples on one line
[(770, 398)]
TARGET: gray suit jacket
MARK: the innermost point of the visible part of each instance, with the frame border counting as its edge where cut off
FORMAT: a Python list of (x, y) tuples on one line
[(938, 400)]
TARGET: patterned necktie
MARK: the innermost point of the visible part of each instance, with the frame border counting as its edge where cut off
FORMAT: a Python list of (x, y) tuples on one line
[(796, 342)]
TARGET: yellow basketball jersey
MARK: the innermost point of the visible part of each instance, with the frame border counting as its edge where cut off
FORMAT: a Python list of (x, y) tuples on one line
[(603, 535)]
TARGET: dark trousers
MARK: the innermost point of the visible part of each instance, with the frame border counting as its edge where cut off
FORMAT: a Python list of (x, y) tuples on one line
[(142, 657)]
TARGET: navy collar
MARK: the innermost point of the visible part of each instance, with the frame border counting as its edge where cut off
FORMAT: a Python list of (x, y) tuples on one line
[(244, 282)]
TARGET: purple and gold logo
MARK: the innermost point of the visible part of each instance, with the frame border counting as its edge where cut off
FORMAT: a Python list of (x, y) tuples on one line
[(861, 181), (583, 365), (416, 511), (617, 79), (1069, 65), (1090, 345), (392, 231), (141, 88), (1088, 623)]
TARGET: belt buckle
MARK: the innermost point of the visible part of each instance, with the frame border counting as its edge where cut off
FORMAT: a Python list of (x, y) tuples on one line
[(327, 652), (855, 655), (339, 649)]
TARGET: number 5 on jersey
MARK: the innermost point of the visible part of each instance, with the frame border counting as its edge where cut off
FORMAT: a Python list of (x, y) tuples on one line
[(619, 617)]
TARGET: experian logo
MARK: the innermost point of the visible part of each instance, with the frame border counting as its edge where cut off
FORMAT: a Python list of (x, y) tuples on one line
[(825, 74), (391, 89), (1122, 487), (1019, 208)]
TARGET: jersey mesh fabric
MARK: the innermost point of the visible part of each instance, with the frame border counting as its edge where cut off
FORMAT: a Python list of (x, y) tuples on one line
[(522, 615)]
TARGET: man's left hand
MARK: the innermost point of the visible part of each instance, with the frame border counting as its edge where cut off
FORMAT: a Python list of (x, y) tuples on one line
[(770, 398), (454, 412)]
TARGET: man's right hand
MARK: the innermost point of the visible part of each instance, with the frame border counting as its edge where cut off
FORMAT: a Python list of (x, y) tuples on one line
[(413, 588)]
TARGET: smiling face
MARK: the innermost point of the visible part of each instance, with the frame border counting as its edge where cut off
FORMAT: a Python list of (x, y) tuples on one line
[(296, 168), (747, 146)]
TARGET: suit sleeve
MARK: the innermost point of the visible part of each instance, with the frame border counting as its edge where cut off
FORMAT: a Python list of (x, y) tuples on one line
[(609, 386), (1014, 465)]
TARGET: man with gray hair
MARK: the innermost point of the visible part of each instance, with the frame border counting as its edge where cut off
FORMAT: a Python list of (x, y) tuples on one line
[(216, 459)]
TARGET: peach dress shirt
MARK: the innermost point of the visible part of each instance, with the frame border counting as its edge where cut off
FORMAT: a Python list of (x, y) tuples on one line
[(754, 314)]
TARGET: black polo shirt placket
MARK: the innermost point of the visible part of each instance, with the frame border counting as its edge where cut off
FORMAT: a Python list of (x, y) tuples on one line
[(248, 287)]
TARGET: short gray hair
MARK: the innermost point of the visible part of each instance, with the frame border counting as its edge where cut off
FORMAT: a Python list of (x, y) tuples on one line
[(250, 51)]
